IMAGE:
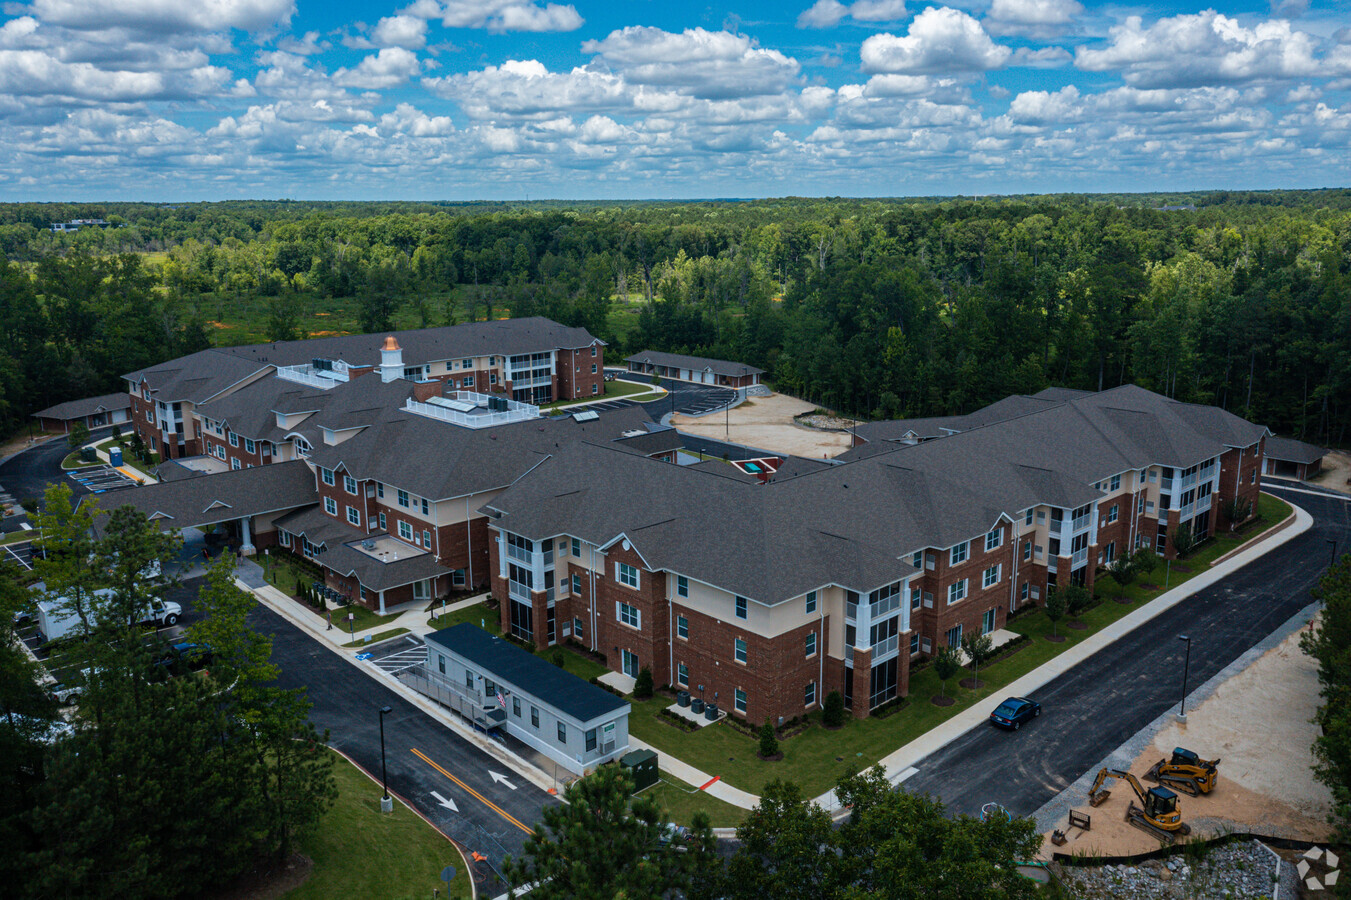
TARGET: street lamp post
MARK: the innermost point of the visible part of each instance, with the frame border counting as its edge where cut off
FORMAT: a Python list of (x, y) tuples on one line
[(1333, 561), (1186, 664), (386, 804)]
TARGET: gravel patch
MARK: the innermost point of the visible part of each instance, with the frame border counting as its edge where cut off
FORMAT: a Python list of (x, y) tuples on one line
[(1242, 870)]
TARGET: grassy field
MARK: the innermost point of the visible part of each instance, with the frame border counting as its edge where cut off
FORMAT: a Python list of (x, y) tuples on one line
[(479, 614), (816, 758), (682, 801), (613, 391), (360, 853), (285, 575), (377, 637)]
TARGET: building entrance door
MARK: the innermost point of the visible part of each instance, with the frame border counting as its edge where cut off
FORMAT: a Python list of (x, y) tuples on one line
[(630, 664)]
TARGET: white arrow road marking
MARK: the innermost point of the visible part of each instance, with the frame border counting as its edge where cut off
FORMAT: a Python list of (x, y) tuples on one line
[(448, 804), (502, 779)]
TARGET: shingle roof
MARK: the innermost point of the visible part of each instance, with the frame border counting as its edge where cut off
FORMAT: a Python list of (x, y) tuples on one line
[(1291, 450), (196, 377), (224, 496), (698, 363), (662, 440), (78, 409), (505, 337), (374, 574), (505, 662)]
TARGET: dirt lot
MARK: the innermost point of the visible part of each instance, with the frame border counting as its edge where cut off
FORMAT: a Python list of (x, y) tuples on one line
[(768, 422), (1259, 724), (1336, 471)]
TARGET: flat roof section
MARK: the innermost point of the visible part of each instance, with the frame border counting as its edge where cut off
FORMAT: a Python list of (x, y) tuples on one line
[(386, 548), (506, 662)]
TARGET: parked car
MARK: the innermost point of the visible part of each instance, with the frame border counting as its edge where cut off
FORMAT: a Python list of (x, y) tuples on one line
[(185, 656), (1014, 711)]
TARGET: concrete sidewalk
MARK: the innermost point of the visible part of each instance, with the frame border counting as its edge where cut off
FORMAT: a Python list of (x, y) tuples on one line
[(899, 764), (134, 474)]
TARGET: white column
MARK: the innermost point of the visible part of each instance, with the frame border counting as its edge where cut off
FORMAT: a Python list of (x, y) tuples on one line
[(246, 547), (381, 595)]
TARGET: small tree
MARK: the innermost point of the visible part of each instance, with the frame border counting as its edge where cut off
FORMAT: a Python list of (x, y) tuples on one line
[(1144, 561), (1077, 599), (769, 744), (117, 433), (1055, 608), (78, 435), (1123, 571), (979, 648), (832, 714), (1237, 510), (137, 445), (1185, 539), (945, 666), (558, 657), (642, 685)]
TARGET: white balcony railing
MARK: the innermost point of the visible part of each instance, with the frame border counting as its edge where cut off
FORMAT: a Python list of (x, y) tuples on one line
[(1080, 557), (1079, 523), (311, 377), (885, 647)]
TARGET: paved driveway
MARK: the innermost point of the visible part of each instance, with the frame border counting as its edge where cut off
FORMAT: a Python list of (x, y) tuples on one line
[(1097, 705), (27, 474)]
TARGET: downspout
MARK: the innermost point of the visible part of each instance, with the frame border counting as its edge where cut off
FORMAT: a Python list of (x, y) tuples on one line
[(821, 657), (670, 638), (593, 604), (469, 539), (1017, 555)]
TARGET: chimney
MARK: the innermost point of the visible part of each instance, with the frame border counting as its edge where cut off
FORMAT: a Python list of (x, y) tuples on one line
[(391, 360)]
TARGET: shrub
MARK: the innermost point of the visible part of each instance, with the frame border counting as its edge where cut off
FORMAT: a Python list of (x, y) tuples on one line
[(642, 685), (558, 657), (117, 433), (832, 715), (1077, 599), (30, 505), (769, 744)]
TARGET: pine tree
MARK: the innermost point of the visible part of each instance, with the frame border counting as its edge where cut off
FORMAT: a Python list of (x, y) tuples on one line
[(769, 743)]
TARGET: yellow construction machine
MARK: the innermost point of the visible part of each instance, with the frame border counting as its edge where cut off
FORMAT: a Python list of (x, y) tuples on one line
[(1185, 772), (1158, 813)]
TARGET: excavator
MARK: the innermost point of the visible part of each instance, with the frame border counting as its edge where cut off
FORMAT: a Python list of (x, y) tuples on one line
[(1158, 813), (1185, 772)]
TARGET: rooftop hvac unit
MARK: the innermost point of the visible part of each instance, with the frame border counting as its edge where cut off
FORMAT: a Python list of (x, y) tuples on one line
[(368, 545), (321, 365)]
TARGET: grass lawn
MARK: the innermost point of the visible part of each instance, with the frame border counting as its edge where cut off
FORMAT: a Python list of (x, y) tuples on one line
[(479, 614), (816, 758), (284, 575), (613, 390), (360, 853), (681, 801), (18, 537), (377, 637)]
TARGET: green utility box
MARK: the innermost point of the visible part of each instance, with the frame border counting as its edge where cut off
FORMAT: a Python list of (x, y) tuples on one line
[(642, 768)]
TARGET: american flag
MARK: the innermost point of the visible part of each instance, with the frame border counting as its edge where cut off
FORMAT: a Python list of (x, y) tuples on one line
[(501, 699)]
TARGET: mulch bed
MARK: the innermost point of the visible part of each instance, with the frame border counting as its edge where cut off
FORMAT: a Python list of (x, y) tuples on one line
[(971, 684), (1077, 626), (775, 758), (1056, 638), (266, 881), (942, 701), (1150, 587), (1182, 568)]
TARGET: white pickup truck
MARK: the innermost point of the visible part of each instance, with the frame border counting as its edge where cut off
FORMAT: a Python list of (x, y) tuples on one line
[(57, 621)]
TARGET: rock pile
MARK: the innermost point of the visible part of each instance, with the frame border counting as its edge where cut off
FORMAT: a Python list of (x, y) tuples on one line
[(1243, 870)]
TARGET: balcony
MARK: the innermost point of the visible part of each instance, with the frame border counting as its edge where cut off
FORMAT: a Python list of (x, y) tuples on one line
[(520, 554), (470, 410), (1079, 523), (1186, 511), (885, 648), (1079, 558), (312, 377)]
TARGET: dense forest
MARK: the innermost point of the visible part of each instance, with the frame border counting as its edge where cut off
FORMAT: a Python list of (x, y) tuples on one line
[(882, 308)]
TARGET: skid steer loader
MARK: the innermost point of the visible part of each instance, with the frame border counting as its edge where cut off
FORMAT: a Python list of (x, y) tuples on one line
[(1185, 772)]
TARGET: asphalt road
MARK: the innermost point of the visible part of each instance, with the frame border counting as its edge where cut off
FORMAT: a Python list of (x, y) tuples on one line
[(27, 474), (1099, 704), (685, 397)]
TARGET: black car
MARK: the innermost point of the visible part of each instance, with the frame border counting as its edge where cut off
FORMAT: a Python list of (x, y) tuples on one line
[(1014, 711)]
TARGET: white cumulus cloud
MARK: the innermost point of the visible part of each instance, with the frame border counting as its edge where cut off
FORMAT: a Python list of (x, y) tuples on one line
[(391, 66), (701, 63), (166, 15), (499, 15), (940, 40), (1032, 18)]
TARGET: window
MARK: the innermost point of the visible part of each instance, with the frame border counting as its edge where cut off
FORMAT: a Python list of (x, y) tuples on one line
[(809, 695), (1114, 484), (955, 636), (406, 531), (627, 574), (349, 484), (811, 644), (466, 364), (516, 707), (380, 489), (234, 442), (562, 733), (330, 506), (682, 674), (534, 716), (469, 381), (682, 627), (249, 445), (991, 576), (426, 507), (577, 629), (1041, 517), (441, 663), (403, 498), (593, 368), (469, 679), (739, 700), (1027, 550), (576, 583), (1028, 520), (682, 586), (956, 591), (914, 643), (1109, 553), (590, 740), (1140, 504), (576, 548), (741, 607), (811, 602), (595, 389), (326, 475), (284, 538), (739, 650), (593, 349), (1252, 477), (427, 539), (1022, 595), (959, 553), (354, 515), (994, 539), (383, 527), (629, 615), (1113, 513), (492, 378), (234, 464), (916, 595)]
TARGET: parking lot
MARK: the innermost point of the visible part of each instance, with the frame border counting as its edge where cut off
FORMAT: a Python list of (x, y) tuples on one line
[(685, 397), (100, 479)]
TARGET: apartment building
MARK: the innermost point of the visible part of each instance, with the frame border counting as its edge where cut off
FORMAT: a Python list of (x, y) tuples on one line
[(765, 596), (532, 361)]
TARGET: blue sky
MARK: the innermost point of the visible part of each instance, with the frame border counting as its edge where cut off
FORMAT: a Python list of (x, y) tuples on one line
[(493, 99)]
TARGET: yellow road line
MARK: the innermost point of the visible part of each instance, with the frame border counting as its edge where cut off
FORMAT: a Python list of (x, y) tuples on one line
[(490, 804)]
